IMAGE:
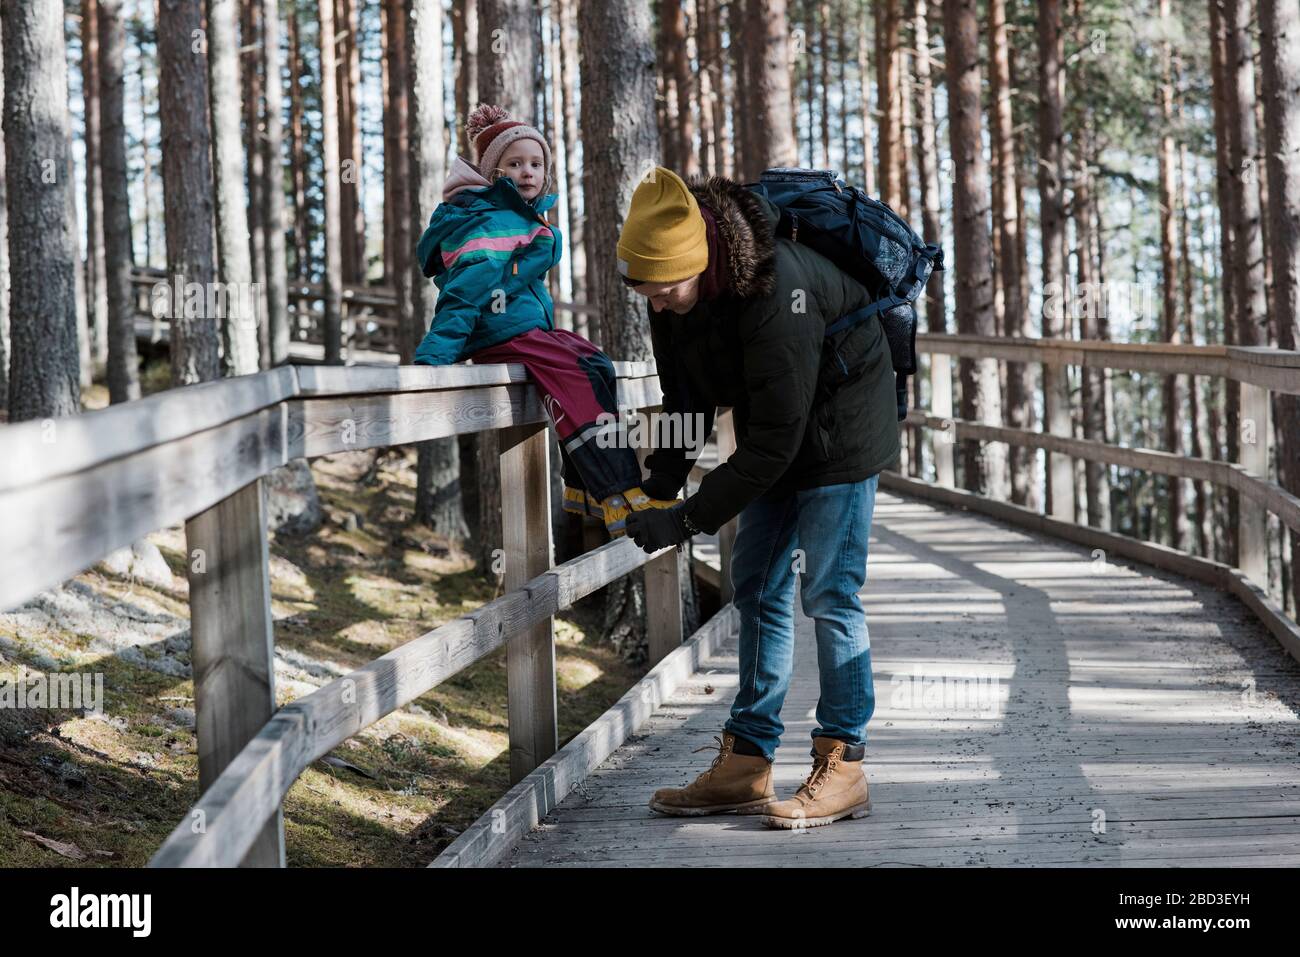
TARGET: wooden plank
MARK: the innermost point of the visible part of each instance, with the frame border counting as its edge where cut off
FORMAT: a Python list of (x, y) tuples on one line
[(663, 604), (494, 834), (347, 380), (526, 541), (941, 404), (726, 430), (1272, 369), (639, 392), (1216, 574), (41, 450), (233, 652), (326, 425), (1256, 441), (57, 528), (1265, 368), (1243, 478), (252, 786)]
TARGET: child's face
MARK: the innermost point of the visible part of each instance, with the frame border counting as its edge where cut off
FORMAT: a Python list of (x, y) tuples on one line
[(524, 162)]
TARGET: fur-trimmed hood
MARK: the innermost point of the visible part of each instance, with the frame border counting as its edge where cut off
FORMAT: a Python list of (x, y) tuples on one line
[(748, 224)]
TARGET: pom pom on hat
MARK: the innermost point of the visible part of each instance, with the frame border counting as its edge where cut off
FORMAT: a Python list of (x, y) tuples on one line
[(485, 115)]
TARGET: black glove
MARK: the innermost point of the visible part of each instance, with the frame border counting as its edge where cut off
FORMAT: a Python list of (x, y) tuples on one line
[(661, 485), (656, 528)]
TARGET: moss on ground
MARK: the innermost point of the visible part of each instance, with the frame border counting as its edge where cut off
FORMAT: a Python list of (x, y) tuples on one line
[(87, 791)]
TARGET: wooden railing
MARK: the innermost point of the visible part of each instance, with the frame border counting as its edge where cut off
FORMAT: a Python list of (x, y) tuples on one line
[(1255, 371), (72, 490)]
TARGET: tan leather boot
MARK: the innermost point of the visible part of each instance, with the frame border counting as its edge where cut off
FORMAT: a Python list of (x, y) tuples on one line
[(733, 782), (836, 788)]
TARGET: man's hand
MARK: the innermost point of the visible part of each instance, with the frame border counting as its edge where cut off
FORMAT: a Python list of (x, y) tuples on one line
[(661, 485), (656, 528)]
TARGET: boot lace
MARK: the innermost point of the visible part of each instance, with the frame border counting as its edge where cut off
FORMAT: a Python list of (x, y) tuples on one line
[(823, 770), (722, 750)]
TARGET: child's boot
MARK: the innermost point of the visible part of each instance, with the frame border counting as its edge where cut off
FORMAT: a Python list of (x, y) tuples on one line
[(640, 501), (579, 502), (619, 506)]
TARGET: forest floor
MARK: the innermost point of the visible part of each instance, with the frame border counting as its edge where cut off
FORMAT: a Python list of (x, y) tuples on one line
[(86, 789)]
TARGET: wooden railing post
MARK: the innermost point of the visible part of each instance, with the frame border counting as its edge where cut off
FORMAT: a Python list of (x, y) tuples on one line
[(232, 651), (726, 429), (526, 541), (663, 583), (941, 405), (1060, 468), (1256, 441), (663, 605)]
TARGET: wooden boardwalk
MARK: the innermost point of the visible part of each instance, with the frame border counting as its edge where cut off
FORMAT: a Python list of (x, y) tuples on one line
[(1035, 706)]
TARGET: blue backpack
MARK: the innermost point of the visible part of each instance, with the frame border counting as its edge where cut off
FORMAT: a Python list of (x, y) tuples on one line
[(867, 240)]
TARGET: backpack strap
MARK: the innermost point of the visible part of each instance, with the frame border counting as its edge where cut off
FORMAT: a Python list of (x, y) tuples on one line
[(863, 314)]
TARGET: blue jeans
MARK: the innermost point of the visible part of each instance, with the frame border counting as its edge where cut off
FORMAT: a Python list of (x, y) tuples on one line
[(824, 530)]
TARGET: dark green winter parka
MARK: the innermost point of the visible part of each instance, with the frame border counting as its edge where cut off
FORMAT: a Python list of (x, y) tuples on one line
[(809, 411)]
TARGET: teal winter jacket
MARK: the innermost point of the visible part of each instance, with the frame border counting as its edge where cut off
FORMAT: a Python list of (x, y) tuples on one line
[(488, 250)]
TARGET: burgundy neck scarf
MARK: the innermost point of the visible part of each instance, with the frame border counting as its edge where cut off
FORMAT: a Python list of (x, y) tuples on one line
[(713, 281)]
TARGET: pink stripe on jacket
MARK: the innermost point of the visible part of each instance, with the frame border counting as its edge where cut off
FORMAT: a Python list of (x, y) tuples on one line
[(501, 243)]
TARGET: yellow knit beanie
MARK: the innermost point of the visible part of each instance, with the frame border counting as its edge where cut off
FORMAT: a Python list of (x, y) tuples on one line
[(663, 237)]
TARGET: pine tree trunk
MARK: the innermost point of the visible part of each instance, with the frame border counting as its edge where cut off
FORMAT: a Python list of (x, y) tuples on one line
[(250, 28), (353, 222), (85, 362), (1007, 227), (572, 170), (769, 64), (618, 111), (985, 463), (123, 362), (739, 31), (808, 29), (927, 151), (1280, 53), (1170, 327), (238, 324), (1227, 203), (277, 267), (1056, 395), (397, 198), (146, 163), (887, 100), (842, 80), (298, 153), (96, 291), (331, 188), (905, 122), (864, 103), (1198, 539), (706, 44), (508, 55), (44, 361), (4, 259), (464, 44), (188, 215), (823, 64), (438, 490), (679, 136), (1092, 379), (1248, 243)]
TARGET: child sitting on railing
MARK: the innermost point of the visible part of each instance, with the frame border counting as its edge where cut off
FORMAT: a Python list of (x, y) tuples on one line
[(488, 247)]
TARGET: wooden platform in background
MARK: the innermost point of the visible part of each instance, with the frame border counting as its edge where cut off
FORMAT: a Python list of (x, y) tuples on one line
[(1135, 718)]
